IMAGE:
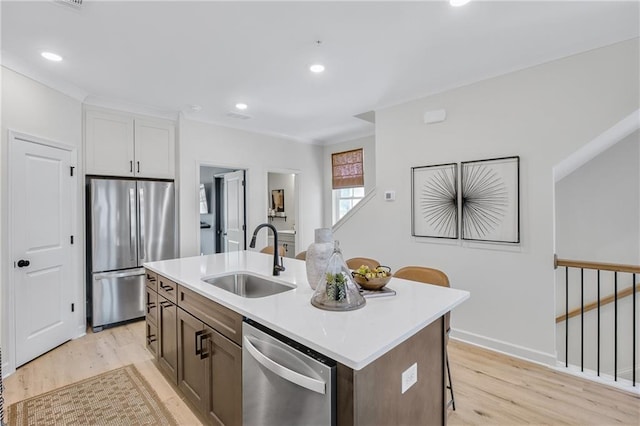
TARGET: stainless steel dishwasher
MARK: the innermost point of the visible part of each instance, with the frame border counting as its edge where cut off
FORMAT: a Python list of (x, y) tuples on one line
[(283, 382)]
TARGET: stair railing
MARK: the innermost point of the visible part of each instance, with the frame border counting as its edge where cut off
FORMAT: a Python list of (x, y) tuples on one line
[(597, 304)]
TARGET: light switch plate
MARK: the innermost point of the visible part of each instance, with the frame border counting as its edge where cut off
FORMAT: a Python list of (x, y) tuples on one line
[(409, 377)]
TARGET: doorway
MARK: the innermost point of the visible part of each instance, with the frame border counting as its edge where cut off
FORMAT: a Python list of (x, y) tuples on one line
[(221, 203), (283, 209), (42, 280)]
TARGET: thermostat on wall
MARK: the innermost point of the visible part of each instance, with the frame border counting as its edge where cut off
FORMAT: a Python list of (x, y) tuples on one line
[(389, 195), (432, 117)]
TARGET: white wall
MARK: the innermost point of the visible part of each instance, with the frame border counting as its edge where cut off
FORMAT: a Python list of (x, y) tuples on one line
[(286, 181), (542, 114), (258, 154), (32, 108), (597, 207), (368, 146)]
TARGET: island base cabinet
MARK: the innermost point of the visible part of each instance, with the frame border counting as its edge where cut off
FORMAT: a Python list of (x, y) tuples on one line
[(209, 371), (151, 320), (224, 381), (361, 400), (167, 339), (152, 338), (191, 359)]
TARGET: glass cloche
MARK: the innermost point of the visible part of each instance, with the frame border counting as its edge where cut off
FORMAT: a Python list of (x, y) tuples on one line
[(336, 290)]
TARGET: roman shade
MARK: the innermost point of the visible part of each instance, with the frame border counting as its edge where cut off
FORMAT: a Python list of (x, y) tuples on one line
[(347, 169)]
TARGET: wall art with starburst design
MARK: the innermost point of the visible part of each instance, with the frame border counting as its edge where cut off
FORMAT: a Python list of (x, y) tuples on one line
[(435, 201), (490, 201)]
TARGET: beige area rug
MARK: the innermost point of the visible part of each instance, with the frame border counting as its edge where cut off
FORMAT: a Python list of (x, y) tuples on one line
[(117, 397)]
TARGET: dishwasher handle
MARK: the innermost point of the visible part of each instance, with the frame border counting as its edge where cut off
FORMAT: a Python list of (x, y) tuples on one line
[(306, 382)]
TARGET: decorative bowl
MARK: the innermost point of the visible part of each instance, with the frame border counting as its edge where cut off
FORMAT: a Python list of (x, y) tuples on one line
[(371, 283)]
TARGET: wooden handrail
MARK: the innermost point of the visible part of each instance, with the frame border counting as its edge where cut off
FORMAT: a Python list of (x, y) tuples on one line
[(593, 305), (634, 269)]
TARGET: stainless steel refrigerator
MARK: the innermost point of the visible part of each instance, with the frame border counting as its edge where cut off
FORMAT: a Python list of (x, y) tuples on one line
[(129, 222)]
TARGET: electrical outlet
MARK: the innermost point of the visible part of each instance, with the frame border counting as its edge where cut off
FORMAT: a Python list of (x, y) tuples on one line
[(409, 377)]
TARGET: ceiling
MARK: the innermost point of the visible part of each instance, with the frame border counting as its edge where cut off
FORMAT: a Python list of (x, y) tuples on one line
[(164, 57)]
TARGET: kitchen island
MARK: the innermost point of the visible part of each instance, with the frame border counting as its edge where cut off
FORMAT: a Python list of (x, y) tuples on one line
[(373, 346)]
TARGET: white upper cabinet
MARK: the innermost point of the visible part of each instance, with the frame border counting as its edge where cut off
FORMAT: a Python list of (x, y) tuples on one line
[(154, 148), (108, 144), (117, 144)]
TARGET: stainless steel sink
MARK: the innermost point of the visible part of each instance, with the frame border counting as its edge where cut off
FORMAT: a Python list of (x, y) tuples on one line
[(247, 285)]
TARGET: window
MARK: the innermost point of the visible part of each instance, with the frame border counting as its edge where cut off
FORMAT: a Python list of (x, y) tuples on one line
[(345, 200), (347, 181)]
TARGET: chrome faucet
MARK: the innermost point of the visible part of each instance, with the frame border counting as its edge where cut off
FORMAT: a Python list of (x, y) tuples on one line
[(277, 264)]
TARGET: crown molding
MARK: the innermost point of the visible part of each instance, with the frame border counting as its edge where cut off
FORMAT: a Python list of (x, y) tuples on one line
[(16, 64), (130, 107)]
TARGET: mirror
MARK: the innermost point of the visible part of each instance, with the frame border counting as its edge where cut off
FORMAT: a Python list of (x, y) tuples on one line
[(204, 206)]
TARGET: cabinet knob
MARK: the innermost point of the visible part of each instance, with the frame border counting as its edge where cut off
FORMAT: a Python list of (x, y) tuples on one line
[(23, 263)]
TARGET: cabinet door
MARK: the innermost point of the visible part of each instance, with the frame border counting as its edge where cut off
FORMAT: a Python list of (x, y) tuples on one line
[(154, 149), (152, 338), (167, 289), (192, 352), (151, 305), (224, 381), (108, 144), (168, 339), (151, 280)]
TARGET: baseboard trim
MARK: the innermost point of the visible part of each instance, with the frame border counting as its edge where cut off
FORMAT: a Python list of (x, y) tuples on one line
[(5, 370), (603, 379), (506, 348), (80, 331)]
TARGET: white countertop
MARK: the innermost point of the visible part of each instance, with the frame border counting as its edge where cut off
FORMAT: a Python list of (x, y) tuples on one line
[(353, 338)]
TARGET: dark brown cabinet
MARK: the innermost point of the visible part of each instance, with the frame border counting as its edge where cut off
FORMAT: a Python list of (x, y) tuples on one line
[(197, 346), (224, 381), (222, 319), (151, 299), (191, 359), (167, 289), (151, 280), (168, 339), (209, 371)]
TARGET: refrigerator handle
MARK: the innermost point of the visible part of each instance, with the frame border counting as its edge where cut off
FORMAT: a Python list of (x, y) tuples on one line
[(141, 241), (132, 225)]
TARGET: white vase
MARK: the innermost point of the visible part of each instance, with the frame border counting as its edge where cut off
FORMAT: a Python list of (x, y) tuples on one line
[(318, 255)]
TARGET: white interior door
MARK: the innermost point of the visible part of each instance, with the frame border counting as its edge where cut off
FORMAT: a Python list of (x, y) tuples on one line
[(41, 212), (234, 226)]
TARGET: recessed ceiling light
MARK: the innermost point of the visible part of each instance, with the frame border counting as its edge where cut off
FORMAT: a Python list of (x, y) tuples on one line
[(458, 3), (51, 56), (316, 68), (241, 106)]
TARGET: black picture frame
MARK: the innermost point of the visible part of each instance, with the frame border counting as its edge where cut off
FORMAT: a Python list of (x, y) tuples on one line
[(490, 200), (434, 201)]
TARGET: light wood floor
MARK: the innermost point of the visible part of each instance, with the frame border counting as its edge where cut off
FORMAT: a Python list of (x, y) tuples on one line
[(490, 388)]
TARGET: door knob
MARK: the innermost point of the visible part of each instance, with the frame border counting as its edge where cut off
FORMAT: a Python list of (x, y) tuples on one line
[(23, 263)]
